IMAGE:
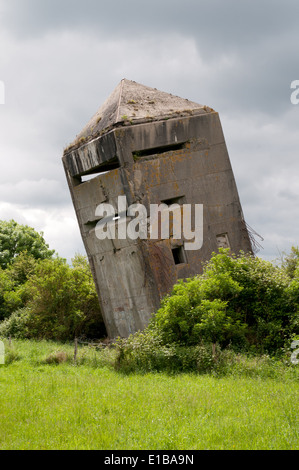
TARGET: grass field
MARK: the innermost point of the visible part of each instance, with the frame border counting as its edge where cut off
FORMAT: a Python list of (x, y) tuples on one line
[(89, 405)]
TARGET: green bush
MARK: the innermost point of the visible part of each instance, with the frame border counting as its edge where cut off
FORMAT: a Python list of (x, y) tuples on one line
[(9, 300), (12, 282), (239, 303), (145, 352), (17, 325), (290, 262), (62, 300), (42, 296), (49, 299), (238, 300)]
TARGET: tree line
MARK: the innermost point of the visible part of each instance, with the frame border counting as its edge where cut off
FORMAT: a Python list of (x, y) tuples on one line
[(41, 295), (239, 301)]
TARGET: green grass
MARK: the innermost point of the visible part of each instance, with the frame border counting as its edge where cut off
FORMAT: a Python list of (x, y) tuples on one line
[(92, 406)]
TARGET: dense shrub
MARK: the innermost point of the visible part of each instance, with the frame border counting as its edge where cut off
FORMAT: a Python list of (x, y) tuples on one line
[(290, 262), (9, 298), (42, 296), (12, 282), (146, 351), (49, 299), (62, 300), (239, 303), (16, 325), (239, 300)]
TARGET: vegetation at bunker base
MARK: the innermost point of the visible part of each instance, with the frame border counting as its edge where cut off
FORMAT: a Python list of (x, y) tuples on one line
[(48, 404), (239, 303), (213, 369), (41, 295)]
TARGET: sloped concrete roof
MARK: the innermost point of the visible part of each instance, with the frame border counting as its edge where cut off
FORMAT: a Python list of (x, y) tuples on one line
[(132, 103)]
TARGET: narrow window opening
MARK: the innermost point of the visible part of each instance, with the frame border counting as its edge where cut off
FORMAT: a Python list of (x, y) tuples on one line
[(222, 240), (100, 170), (175, 200), (179, 255), (157, 150), (92, 224)]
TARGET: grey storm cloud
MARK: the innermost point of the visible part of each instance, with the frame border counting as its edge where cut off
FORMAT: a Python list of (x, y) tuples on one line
[(38, 192), (260, 38), (61, 59), (237, 22)]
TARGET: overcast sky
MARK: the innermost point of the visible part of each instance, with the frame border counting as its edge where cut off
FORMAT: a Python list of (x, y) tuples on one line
[(60, 60)]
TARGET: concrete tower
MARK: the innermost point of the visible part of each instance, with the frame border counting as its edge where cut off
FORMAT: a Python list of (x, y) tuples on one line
[(151, 147)]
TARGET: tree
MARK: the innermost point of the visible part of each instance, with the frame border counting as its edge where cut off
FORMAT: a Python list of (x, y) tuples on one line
[(16, 239), (62, 301), (9, 298), (290, 262)]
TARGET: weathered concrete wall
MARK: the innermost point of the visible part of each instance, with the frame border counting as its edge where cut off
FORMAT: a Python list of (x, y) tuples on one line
[(188, 162), (153, 148)]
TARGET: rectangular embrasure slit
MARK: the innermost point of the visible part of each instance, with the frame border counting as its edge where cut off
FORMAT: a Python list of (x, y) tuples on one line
[(174, 200), (179, 255), (92, 224), (100, 170), (157, 150), (222, 240)]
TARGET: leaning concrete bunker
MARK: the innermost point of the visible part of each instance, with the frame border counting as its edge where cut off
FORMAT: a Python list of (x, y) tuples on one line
[(151, 148)]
